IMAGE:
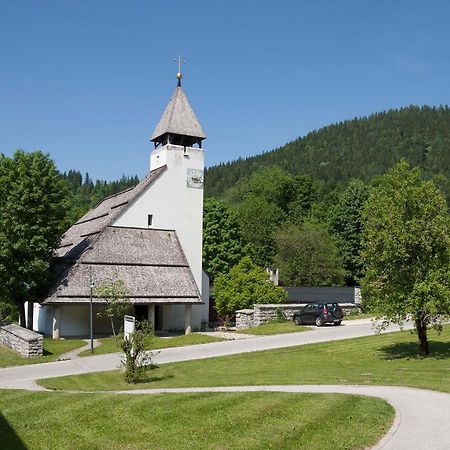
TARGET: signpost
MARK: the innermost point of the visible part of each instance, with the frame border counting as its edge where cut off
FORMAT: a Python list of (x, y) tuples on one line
[(129, 324), (91, 319)]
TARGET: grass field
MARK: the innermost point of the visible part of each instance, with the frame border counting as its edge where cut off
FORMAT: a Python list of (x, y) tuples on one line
[(32, 420), (387, 359), (274, 328), (109, 344), (52, 350)]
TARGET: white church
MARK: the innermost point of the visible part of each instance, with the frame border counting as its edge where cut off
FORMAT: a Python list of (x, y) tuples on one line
[(149, 236)]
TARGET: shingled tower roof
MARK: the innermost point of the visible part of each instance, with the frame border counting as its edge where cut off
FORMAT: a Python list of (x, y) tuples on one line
[(179, 118)]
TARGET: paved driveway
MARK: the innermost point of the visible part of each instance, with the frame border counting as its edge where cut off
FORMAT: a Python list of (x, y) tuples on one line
[(422, 417), (24, 377)]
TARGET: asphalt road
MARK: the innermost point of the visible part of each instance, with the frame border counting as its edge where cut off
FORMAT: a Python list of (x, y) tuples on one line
[(422, 417), (24, 377)]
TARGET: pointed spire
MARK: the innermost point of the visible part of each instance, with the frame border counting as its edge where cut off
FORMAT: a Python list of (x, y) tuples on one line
[(179, 118)]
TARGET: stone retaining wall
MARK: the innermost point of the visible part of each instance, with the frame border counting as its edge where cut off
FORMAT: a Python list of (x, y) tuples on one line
[(246, 318), (26, 342)]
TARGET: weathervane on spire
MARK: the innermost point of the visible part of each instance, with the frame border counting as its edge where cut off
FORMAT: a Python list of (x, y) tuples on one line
[(179, 75)]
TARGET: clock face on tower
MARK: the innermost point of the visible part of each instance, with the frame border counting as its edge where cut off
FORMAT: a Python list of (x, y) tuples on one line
[(195, 178)]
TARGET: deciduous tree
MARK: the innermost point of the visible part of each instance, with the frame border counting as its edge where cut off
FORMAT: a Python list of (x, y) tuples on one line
[(33, 205), (223, 245), (406, 242), (114, 291), (244, 286), (307, 256)]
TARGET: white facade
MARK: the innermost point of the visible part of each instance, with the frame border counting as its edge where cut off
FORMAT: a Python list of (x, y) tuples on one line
[(175, 202)]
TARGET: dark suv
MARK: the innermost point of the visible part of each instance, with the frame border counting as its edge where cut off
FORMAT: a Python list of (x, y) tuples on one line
[(319, 313)]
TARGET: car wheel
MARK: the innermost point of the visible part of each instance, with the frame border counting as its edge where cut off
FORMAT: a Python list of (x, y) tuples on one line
[(319, 321), (337, 312), (337, 323), (297, 320)]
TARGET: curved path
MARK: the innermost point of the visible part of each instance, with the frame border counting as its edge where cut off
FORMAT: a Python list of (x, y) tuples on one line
[(24, 377), (421, 421), (422, 417)]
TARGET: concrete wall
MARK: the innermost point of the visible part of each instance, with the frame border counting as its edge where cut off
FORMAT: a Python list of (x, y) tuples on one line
[(26, 342)]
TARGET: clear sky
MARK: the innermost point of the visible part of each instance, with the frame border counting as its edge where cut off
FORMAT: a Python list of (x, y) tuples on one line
[(87, 81)]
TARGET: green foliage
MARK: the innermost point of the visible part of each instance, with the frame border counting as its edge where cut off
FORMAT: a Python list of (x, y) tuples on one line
[(138, 359), (223, 245), (244, 286), (307, 256), (259, 219), (33, 205), (406, 242), (279, 315), (85, 193), (346, 226), (114, 291), (359, 148), (8, 312)]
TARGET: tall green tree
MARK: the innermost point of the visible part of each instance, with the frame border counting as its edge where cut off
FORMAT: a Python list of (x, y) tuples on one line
[(33, 205), (406, 242), (306, 256), (244, 286), (223, 244), (259, 220), (346, 227)]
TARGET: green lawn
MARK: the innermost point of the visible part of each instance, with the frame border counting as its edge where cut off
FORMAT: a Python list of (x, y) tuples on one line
[(388, 359), (273, 328), (109, 344), (52, 350), (35, 420)]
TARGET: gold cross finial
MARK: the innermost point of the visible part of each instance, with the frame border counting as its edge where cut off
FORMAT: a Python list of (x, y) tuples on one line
[(179, 75)]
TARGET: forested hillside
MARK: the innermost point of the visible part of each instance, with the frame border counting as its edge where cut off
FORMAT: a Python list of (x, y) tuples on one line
[(85, 192), (359, 148)]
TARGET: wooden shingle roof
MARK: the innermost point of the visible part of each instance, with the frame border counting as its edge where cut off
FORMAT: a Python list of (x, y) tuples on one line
[(99, 217), (179, 118), (151, 262)]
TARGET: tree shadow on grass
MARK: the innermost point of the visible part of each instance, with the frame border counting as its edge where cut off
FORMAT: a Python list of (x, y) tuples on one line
[(9, 438), (410, 350)]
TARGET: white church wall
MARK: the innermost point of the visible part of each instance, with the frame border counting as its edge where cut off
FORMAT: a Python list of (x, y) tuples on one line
[(173, 205), (74, 320), (175, 202), (42, 318)]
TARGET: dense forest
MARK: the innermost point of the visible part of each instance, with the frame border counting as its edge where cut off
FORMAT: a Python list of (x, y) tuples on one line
[(355, 149), (85, 192), (299, 207)]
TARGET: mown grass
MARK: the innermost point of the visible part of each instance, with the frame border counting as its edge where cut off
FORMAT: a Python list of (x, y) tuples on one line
[(31, 420), (53, 349), (273, 328), (386, 359), (109, 345)]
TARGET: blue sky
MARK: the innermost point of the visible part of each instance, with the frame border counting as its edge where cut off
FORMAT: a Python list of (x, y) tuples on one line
[(87, 81)]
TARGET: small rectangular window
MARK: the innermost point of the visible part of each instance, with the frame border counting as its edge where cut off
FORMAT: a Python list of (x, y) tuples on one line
[(149, 220)]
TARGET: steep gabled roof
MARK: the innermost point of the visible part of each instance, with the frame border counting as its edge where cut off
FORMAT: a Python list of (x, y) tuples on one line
[(151, 263), (179, 118), (94, 221)]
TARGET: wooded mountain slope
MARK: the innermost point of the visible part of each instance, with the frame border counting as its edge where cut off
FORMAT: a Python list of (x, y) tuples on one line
[(359, 148)]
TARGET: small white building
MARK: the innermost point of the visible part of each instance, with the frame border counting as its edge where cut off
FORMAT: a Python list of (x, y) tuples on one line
[(149, 236)]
